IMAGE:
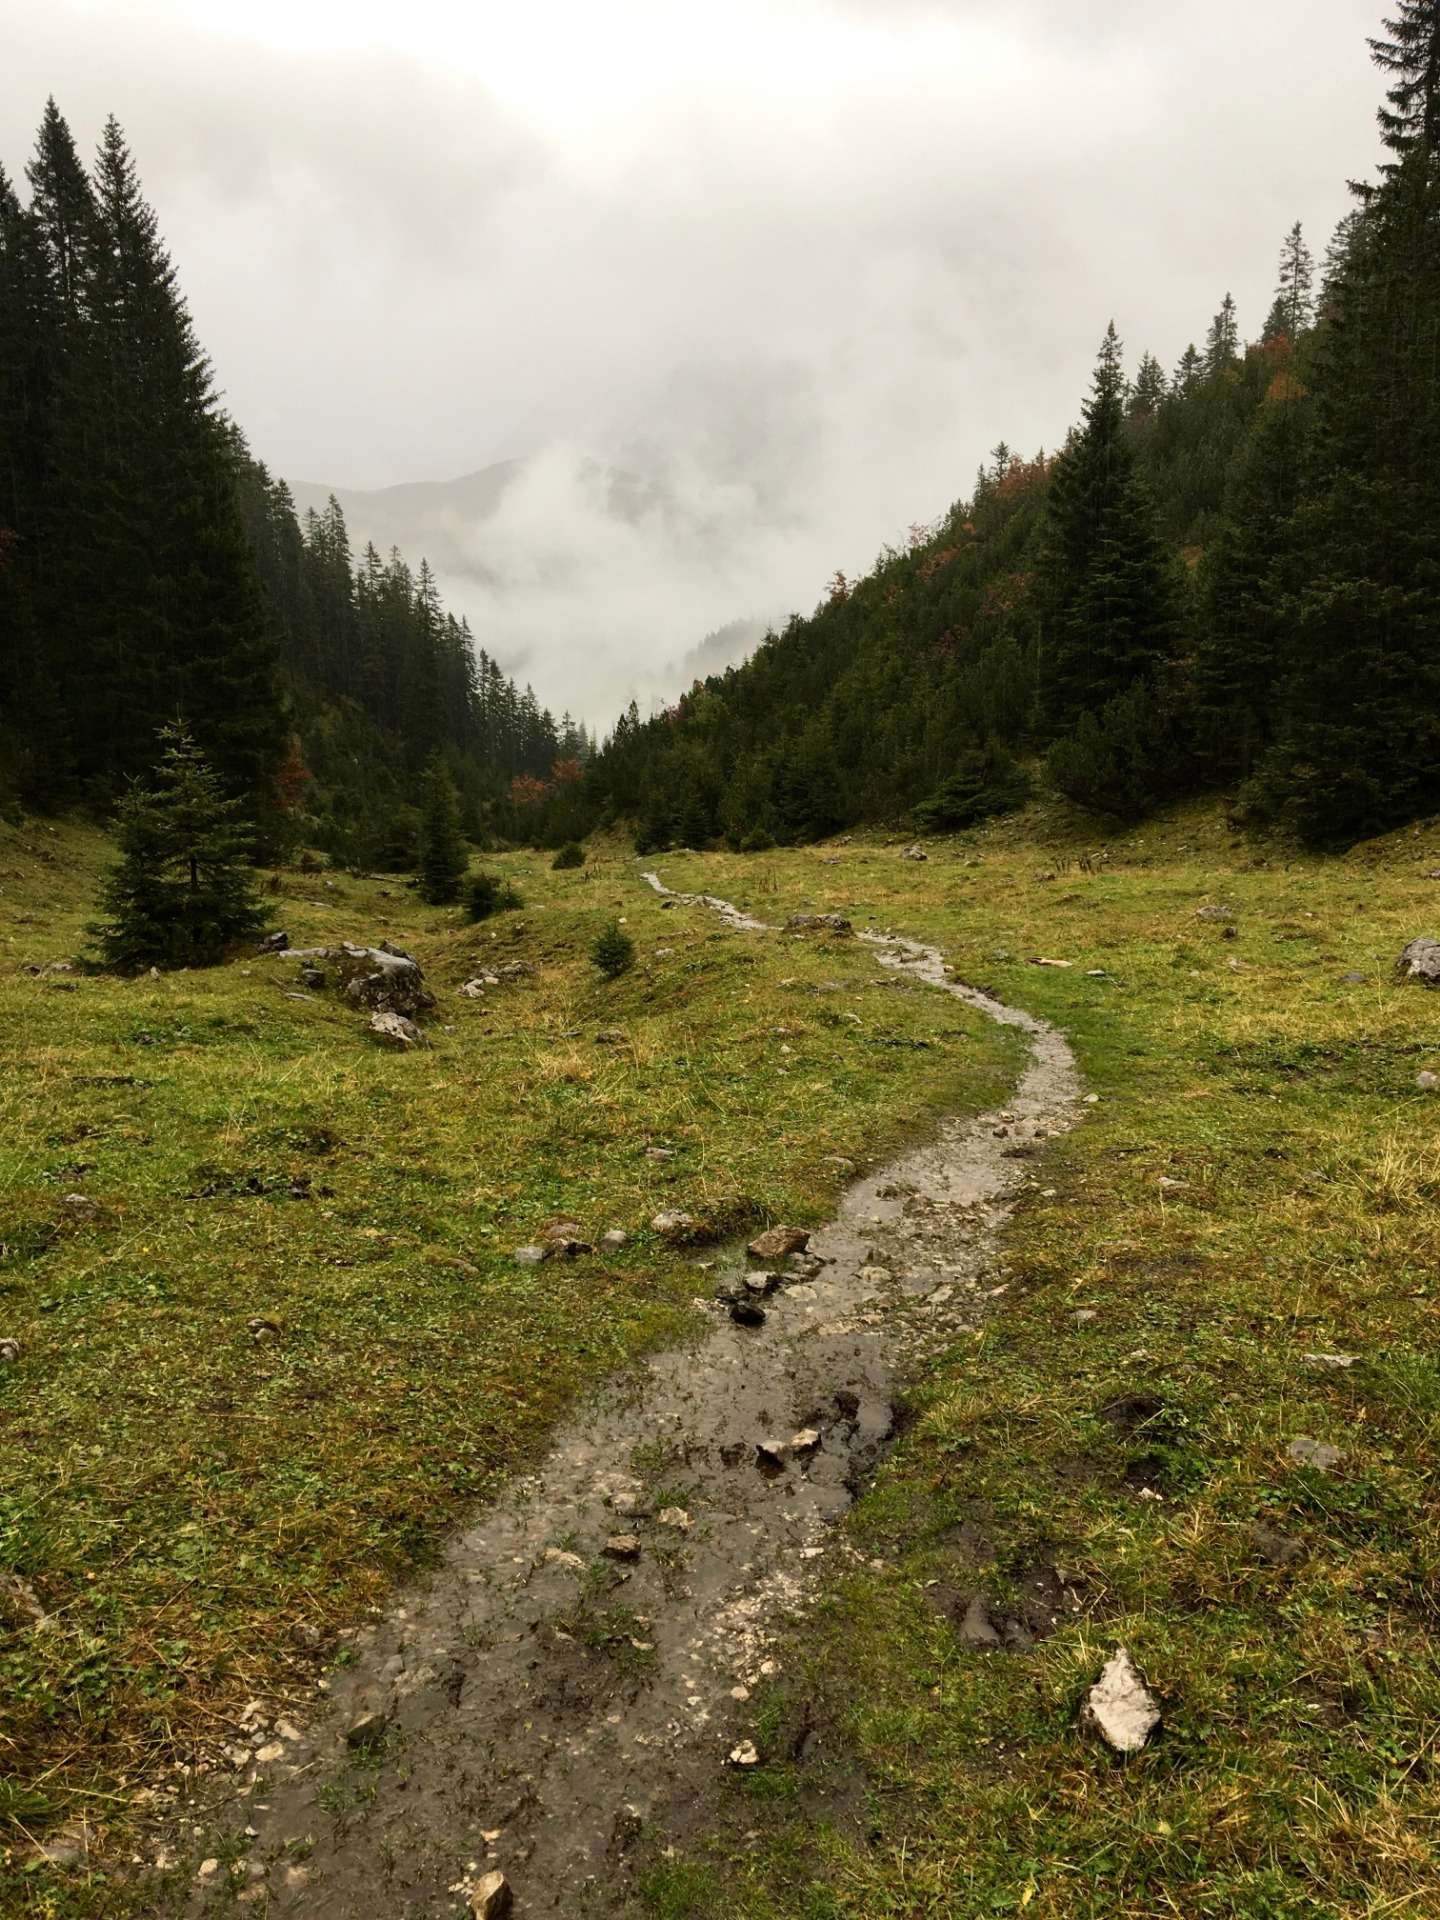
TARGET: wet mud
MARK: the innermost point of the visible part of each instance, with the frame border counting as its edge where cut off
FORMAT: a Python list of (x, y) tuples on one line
[(587, 1647)]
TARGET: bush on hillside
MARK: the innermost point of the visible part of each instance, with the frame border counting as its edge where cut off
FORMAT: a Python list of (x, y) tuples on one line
[(986, 782), (570, 855), (488, 893), (613, 951)]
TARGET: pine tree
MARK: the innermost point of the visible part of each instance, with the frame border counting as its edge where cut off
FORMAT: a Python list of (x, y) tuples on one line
[(1294, 294), (443, 856), (1222, 343), (181, 895), (1110, 614)]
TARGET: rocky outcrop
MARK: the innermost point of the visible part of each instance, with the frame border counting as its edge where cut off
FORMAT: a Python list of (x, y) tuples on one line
[(381, 978)]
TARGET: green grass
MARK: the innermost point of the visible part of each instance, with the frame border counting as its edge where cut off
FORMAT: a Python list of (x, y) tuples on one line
[(189, 1505), (1296, 1773)]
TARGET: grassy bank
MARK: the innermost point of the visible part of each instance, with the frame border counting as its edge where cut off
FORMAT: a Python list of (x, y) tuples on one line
[(1258, 1183), (280, 1342)]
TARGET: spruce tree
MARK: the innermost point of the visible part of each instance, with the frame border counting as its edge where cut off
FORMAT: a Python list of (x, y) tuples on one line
[(1150, 388), (1294, 293), (443, 856), (1222, 343), (1110, 614), (613, 951), (1189, 372), (1358, 746), (181, 894)]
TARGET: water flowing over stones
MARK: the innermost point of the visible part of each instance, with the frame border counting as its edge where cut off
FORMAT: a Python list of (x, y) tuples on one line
[(580, 1659)]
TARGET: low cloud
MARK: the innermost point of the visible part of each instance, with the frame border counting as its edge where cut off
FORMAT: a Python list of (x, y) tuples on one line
[(796, 267)]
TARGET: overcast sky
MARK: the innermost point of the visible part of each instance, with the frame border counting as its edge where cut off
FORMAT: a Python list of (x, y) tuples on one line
[(802, 261)]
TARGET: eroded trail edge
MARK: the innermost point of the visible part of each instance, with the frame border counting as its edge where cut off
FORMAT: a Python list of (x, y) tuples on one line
[(588, 1645)]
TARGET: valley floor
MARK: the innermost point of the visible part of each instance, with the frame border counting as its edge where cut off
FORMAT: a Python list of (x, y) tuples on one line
[(281, 1346)]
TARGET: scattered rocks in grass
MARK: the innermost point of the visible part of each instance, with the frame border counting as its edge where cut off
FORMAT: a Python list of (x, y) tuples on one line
[(914, 853), (747, 1313), (395, 1030), (1420, 961), (1216, 916), (532, 1256), (659, 1154), (558, 1557), (10, 1351), (1040, 961), (743, 1754), (776, 1242), (1332, 1362), (675, 1517), (491, 1898), (1279, 1549), (261, 1330), (1426, 1081), (79, 1206), (611, 1037), (1353, 979), (1318, 1454), (614, 1240), (675, 1226), (1120, 1707), (274, 943), (1083, 1316), (366, 1732), (475, 989), (622, 1546)]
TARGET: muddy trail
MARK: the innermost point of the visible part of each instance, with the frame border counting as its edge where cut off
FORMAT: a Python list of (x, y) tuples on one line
[(585, 1651)]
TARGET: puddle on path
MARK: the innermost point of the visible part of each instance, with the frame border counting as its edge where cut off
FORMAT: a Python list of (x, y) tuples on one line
[(536, 1696)]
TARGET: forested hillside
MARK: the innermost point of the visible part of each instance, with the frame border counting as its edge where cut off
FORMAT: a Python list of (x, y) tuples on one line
[(150, 568), (1228, 576)]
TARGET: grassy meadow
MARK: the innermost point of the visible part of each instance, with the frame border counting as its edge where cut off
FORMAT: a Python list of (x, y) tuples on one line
[(280, 1344), (1256, 1187)]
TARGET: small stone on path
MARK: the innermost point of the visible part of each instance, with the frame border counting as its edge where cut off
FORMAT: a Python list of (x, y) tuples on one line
[(622, 1546), (744, 1755), (776, 1242)]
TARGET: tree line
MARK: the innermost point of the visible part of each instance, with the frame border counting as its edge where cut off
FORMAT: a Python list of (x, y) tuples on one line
[(1228, 577), (153, 573)]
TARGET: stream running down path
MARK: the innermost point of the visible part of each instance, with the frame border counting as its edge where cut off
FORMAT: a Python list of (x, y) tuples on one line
[(537, 1695)]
